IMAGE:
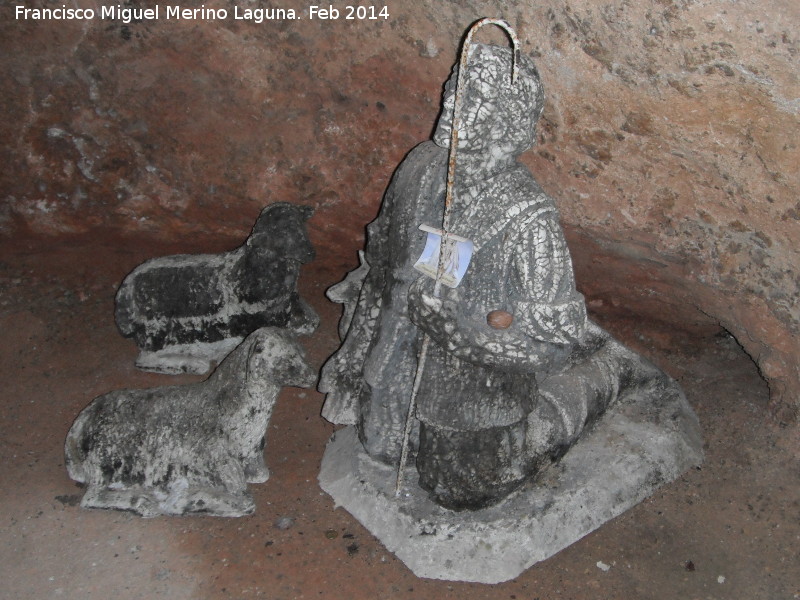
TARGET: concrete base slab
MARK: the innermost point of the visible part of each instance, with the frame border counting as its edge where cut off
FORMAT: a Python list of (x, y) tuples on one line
[(639, 445)]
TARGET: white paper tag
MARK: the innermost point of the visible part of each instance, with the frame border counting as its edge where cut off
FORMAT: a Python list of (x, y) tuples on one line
[(458, 254)]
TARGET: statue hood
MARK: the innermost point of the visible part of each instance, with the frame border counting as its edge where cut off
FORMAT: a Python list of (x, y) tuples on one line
[(497, 117)]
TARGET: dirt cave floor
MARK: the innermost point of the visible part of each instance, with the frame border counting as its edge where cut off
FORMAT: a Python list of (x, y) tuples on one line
[(728, 529)]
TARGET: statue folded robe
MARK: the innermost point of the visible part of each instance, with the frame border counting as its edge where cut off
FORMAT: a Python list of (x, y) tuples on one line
[(368, 380)]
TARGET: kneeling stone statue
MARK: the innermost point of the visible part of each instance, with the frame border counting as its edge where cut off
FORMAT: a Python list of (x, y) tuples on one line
[(513, 371)]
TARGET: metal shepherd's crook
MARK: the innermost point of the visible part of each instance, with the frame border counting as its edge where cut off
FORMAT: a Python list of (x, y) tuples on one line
[(448, 202)]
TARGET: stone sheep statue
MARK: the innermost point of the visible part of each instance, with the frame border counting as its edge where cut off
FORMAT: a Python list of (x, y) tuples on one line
[(186, 312), (187, 448)]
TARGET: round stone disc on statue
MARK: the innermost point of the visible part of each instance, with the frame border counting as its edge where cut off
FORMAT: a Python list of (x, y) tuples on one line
[(499, 319)]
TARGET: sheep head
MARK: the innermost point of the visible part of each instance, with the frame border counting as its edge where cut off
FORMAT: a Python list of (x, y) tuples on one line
[(275, 357)]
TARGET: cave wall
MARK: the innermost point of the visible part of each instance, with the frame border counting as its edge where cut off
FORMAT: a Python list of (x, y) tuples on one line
[(669, 139)]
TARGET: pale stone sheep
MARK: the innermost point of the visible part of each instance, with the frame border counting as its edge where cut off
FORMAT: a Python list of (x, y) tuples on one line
[(187, 448)]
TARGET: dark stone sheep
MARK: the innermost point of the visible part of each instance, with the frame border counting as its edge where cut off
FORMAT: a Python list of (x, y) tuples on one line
[(187, 448), (186, 312)]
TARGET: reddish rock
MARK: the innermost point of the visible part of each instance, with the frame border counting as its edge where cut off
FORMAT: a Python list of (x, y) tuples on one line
[(668, 140)]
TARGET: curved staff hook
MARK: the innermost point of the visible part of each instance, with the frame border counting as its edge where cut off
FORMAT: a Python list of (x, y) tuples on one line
[(448, 202)]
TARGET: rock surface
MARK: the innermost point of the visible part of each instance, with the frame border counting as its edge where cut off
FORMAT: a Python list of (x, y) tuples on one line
[(668, 140)]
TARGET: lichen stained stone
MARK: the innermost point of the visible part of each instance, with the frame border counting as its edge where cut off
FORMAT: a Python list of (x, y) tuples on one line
[(186, 312), (187, 449)]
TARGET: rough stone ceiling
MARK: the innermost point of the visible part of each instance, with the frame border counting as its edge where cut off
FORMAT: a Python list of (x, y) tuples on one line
[(669, 140)]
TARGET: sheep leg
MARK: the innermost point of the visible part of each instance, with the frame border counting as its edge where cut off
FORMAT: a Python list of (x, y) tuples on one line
[(97, 496), (220, 503), (255, 469), (231, 499), (171, 360)]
